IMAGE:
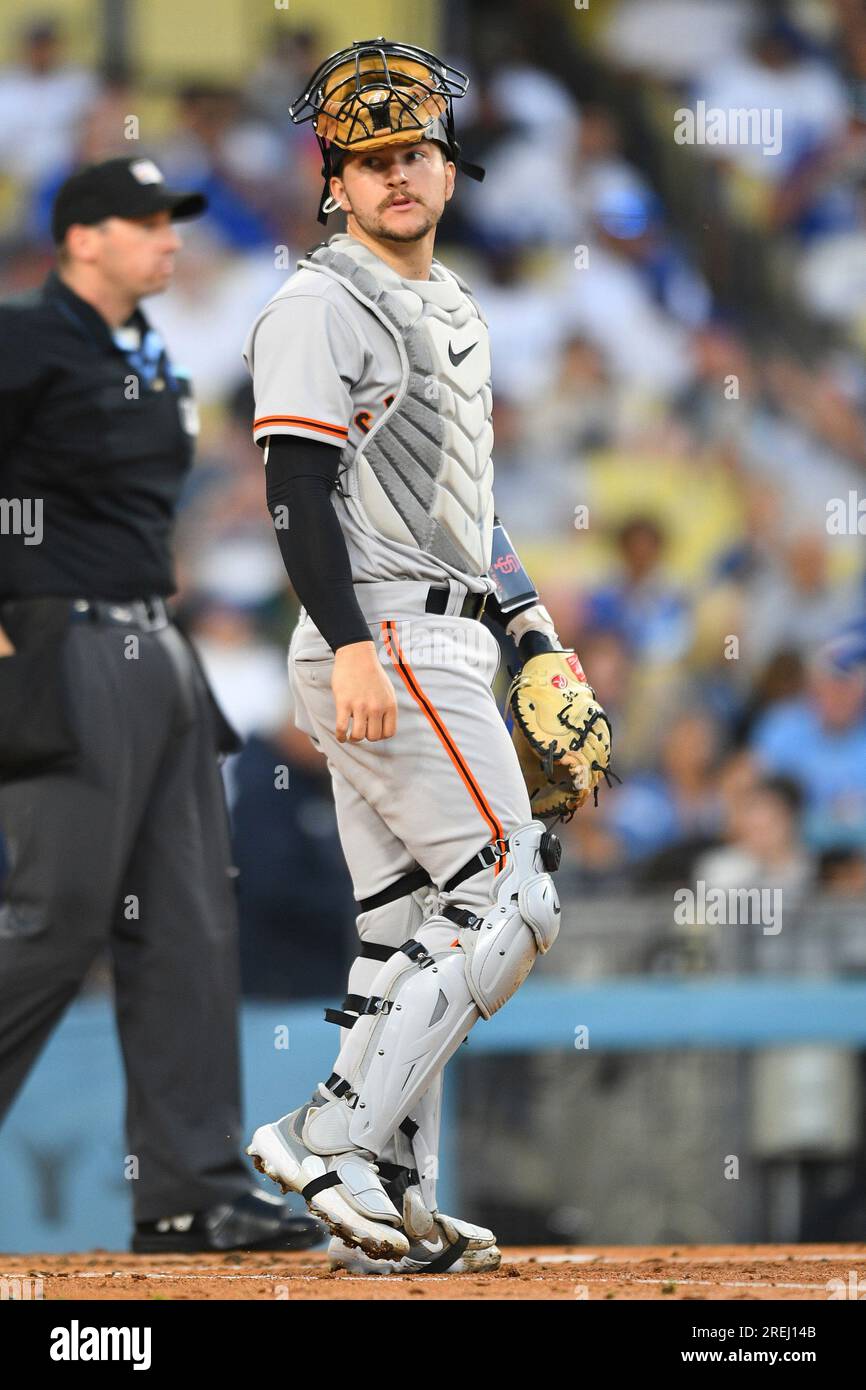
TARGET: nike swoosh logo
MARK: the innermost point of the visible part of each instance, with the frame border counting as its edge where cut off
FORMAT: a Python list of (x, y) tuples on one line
[(456, 360)]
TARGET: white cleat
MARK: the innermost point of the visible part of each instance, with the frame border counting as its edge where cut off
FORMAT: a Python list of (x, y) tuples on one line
[(453, 1247), (351, 1200)]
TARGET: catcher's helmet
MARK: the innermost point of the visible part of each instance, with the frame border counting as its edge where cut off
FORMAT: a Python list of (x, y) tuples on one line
[(377, 93)]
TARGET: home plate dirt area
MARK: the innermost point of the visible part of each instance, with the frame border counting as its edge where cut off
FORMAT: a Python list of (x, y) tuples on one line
[(729, 1272)]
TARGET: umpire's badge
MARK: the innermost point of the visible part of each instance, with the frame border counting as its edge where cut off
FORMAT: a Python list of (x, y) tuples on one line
[(188, 410)]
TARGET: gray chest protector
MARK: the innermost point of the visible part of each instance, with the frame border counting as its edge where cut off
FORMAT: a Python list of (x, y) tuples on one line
[(423, 476)]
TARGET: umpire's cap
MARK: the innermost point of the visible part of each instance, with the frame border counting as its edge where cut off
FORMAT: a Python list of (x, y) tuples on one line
[(119, 188)]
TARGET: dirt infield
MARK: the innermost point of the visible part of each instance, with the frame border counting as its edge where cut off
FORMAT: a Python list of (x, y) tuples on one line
[(730, 1272)]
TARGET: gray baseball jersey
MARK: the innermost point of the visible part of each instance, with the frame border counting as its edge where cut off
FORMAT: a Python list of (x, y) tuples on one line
[(396, 374)]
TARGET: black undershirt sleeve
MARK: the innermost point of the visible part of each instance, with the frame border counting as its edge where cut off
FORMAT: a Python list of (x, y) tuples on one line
[(301, 474)]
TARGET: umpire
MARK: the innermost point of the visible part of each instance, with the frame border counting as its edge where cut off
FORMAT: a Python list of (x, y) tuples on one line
[(111, 798)]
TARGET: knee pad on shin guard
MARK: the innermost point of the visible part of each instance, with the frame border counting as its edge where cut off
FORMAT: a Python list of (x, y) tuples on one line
[(501, 946)]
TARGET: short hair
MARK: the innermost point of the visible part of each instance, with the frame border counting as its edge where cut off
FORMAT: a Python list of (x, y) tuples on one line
[(783, 789), (337, 163), (61, 248)]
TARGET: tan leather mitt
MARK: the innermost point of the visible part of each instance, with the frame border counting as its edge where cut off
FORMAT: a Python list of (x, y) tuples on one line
[(561, 733)]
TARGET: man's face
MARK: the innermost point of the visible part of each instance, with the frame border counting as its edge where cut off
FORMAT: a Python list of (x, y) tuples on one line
[(135, 255), (839, 697), (397, 193)]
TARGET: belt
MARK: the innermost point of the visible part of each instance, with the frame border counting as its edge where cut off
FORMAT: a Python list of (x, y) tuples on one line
[(149, 614), (437, 602)]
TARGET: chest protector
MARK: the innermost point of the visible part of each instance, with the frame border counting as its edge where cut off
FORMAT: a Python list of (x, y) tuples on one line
[(424, 474)]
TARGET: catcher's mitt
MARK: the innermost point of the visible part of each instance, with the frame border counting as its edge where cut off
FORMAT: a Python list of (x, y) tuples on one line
[(561, 733)]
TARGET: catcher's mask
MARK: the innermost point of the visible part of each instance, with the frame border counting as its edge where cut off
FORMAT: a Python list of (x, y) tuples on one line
[(379, 93)]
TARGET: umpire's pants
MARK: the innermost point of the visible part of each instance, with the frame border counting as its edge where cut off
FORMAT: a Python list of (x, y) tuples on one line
[(128, 847)]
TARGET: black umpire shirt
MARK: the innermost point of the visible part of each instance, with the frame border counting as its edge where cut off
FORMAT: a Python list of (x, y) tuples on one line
[(102, 448)]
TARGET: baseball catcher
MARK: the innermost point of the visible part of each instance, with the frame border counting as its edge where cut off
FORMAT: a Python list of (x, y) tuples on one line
[(371, 370)]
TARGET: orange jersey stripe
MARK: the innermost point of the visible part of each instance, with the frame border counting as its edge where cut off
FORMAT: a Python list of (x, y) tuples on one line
[(322, 426), (410, 680)]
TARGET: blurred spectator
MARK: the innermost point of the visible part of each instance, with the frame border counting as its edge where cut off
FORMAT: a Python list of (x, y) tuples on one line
[(765, 847), (248, 674), (525, 324), (720, 397), (638, 34), (541, 105), (579, 407), (206, 311), (823, 195), (42, 103), (842, 872), (524, 148), (823, 399), (804, 439), (781, 678), (605, 299), (234, 157), (847, 649), (655, 810), (99, 134), (794, 602), (819, 740), (777, 73), (626, 218), (642, 607), (535, 489), (285, 66), (842, 885)]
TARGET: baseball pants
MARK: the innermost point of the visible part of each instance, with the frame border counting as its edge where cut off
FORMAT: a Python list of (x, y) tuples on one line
[(448, 782), (129, 849)]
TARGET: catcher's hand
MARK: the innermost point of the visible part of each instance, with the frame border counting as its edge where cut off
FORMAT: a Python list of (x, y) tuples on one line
[(561, 733)]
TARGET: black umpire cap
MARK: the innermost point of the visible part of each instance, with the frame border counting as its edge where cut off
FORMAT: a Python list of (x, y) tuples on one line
[(119, 188)]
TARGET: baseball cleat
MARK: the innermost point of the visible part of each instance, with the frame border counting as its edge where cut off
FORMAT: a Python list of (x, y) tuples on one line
[(342, 1190), (455, 1247)]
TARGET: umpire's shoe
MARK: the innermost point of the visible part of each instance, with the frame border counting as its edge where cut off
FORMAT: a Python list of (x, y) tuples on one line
[(255, 1221)]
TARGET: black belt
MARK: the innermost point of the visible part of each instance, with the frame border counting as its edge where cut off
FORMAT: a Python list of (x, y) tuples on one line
[(437, 602), (149, 614)]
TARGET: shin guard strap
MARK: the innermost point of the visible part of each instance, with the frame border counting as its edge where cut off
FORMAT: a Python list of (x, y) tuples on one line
[(319, 1184)]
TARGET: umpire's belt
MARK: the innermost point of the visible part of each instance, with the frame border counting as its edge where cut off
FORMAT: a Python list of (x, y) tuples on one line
[(149, 614), (437, 602)]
